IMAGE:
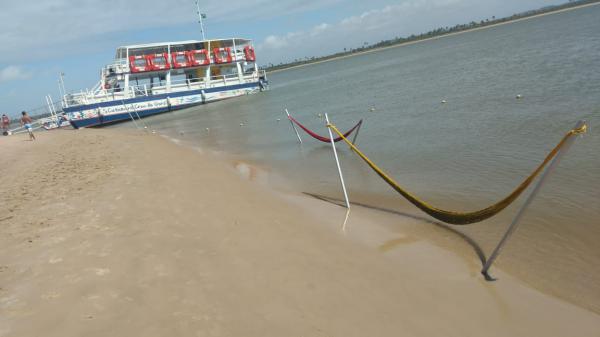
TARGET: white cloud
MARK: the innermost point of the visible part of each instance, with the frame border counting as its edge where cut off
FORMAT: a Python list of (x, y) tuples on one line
[(352, 31), (319, 29), (397, 20), (275, 42), (11, 73), (33, 29)]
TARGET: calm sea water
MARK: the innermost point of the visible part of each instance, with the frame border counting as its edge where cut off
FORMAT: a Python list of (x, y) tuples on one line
[(465, 154)]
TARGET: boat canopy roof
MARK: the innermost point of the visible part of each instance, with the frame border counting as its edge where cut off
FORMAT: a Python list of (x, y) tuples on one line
[(158, 47)]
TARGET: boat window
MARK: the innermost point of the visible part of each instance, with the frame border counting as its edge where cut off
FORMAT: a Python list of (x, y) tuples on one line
[(160, 61), (181, 58), (141, 82), (139, 62), (249, 68), (178, 79), (199, 57), (229, 71)]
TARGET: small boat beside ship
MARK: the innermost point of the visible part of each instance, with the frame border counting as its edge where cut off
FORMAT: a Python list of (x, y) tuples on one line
[(149, 79)]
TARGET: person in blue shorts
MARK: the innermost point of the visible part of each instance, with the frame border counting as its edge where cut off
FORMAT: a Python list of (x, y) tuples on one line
[(26, 123)]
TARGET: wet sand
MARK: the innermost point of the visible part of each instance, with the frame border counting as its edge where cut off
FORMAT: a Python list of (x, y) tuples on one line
[(113, 232)]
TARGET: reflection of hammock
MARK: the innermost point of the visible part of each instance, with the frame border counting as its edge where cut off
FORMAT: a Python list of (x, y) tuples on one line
[(462, 218), (321, 138)]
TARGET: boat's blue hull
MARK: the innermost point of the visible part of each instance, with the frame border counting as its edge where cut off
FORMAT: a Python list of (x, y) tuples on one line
[(103, 113)]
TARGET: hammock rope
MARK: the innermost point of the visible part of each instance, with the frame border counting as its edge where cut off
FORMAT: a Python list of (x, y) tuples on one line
[(321, 138), (462, 218)]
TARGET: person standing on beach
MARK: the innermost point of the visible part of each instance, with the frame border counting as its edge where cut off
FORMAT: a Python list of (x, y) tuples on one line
[(26, 122), (5, 122)]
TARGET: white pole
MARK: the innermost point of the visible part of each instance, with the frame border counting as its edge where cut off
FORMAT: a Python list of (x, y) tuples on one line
[(234, 50), (60, 91), (52, 104), (62, 83), (293, 126), (49, 107), (200, 18), (513, 226), (337, 161), (61, 88), (345, 220)]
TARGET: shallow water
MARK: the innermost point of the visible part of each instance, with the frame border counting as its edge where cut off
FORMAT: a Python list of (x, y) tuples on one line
[(464, 154)]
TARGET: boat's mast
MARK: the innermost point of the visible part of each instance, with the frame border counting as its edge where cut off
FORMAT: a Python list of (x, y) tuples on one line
[(61, 88), (61, 84), (200, 17)]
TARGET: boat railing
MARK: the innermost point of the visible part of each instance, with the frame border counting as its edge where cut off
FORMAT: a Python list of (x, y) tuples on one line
[(100, 94), (119, 66), (87, 97), (195, 83), (97, 88)]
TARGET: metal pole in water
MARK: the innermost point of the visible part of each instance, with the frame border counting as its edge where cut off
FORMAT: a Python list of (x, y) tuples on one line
[(513, 226), (337, 161), (293, 126)]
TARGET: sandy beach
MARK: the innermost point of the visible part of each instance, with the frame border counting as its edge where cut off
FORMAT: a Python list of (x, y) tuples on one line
[(123, 233)]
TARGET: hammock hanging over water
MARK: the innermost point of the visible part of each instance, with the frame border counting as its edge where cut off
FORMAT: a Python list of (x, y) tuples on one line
[(325, 139), (462, 218)]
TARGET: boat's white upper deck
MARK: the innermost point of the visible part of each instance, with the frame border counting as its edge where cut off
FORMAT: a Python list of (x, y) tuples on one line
[(124, 51)]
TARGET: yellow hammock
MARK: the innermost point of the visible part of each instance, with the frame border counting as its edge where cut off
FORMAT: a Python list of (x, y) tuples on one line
[(462, 218)]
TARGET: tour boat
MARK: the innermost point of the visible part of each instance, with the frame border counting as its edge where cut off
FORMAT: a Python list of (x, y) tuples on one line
[(149, 79)]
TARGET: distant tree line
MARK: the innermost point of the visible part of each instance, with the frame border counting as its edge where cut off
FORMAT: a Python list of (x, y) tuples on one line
[(432, 33)]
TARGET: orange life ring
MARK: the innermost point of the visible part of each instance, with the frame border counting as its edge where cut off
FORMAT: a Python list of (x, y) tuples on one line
[(158, 61), (198, 57), (180, 59), (222, 55), (249, 53), (138, 64)]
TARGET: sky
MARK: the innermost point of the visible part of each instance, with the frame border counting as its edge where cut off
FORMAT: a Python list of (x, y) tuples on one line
[(40, 39)]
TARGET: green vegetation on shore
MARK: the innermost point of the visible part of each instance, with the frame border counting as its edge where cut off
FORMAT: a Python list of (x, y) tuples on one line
[(433, 33)]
